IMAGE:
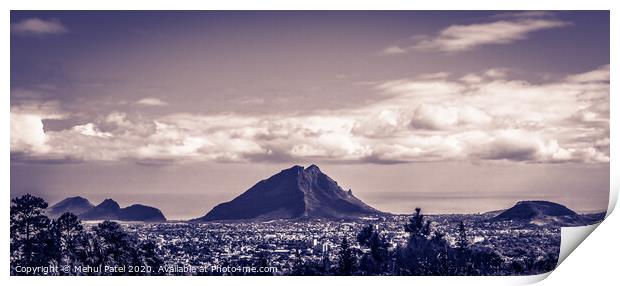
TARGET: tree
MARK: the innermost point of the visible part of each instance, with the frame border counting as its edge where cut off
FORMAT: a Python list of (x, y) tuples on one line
[(116, 246), (466, 260), (462, 242), (347, 260), (326, 265), (482, 261), (92, 252), (364, 235), (374, 262), (425, 253), (544, 263), (417, 226), (307, 267), (67, 235), (148, 256), (29, 232)]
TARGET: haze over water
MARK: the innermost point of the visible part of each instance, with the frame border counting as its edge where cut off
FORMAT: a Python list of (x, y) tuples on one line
[(480, 189)]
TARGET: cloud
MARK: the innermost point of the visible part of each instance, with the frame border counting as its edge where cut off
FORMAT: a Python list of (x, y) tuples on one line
[(503, 29), (512, 145), (36, 26), (27, 134), (458, 38), (480, 117), (516, 145), (151, 101), (35, 105), (483, 116), (393, 50), (248, 100), (90, 129), (598, 75), (437, 75), (471, 78), (427, 116), (496, 73)]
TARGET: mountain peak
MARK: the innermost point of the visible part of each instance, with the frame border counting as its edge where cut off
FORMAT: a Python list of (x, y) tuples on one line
[(313, 167), (293, 193), (293, 170), (108, 204), (76, 205)]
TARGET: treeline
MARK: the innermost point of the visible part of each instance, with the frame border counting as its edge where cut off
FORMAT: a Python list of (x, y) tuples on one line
[(426, 252), (63, 247)]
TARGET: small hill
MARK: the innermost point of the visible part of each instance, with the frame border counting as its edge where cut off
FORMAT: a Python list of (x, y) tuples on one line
[(540, 213), (76, 205), (141, 213), (106, 210)]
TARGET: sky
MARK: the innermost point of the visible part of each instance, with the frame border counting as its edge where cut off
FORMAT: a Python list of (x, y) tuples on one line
[(456, 112)]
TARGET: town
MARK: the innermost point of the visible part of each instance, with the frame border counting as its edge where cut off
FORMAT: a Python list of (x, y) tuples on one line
[(283, 243)]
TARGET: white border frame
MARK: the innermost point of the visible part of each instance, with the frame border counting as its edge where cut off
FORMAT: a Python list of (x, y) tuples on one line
[(567, 273)]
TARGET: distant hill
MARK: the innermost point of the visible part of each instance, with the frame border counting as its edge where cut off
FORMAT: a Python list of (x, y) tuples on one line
[(76, 205), (139, 212), (296, 192), (541, 213), (106, 210)]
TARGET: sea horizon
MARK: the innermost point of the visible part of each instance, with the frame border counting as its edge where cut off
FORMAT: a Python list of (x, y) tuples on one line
[(179, 208)]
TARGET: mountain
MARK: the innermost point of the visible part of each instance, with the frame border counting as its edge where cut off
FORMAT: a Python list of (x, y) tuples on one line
[(106, 210), (540, 213), (139, 212), (292, 193), (75, 205)]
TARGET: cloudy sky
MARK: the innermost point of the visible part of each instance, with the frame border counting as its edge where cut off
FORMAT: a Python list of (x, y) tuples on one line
[(451, 111)]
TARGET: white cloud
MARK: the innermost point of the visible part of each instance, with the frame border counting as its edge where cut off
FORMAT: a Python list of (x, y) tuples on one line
[(43, 109), (36, 26), (151, 101), (459, 38), (118, 118), (600, 74), (393, 50), (516, 145), (426, 118), (496, 73), (437, 75), (471, 78), (27, 134), (89, 129), (511, 120), (502, 29)]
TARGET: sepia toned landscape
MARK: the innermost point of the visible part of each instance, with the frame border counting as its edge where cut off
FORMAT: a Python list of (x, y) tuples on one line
[(305, 142)]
